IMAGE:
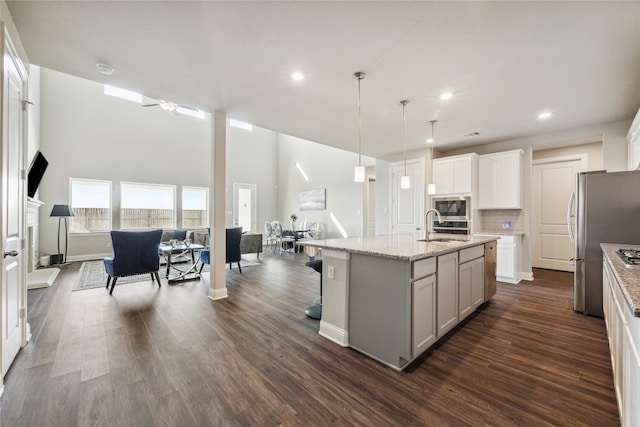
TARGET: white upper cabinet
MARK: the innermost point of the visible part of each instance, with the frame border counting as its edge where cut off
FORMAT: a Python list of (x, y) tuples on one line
[(456, 174), (633, 148), (500, 180)]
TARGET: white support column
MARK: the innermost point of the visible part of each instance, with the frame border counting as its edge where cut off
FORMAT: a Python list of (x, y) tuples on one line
[(218, 276)]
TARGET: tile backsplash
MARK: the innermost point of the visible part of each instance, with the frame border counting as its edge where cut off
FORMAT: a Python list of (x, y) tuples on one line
[(493, 220)]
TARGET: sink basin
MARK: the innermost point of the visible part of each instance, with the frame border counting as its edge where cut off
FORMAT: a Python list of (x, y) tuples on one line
[(443, 240)]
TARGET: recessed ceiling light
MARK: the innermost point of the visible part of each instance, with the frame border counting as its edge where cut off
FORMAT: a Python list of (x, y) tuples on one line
[(446, 96), (470, 134), (544, 115), (297, 76), (430, 140), (105, 69)]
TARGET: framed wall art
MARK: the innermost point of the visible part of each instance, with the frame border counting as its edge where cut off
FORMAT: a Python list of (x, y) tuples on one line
[(313, 200)]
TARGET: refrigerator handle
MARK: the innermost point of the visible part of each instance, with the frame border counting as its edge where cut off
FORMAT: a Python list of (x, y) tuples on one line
[(572, 199)]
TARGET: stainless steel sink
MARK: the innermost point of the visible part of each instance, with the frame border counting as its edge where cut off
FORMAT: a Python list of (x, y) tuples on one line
[(443, 240)]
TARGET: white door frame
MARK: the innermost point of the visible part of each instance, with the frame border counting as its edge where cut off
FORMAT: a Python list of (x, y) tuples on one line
[(581, 157), (254, 197)]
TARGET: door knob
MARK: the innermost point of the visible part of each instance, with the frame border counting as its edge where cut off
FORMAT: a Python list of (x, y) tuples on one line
[(10, 253)]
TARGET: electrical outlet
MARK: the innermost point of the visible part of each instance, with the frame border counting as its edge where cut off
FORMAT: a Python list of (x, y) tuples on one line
[(331, 272), (108, 244)]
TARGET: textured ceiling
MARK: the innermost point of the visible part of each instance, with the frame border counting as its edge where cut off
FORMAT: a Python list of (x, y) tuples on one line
[(504, 61)]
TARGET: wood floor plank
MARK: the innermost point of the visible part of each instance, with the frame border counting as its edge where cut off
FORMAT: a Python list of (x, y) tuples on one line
[(171, 356)]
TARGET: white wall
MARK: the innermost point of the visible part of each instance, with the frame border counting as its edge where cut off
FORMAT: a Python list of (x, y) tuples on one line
[(33, 121), (328, 168), (86, 134), (252, 158)]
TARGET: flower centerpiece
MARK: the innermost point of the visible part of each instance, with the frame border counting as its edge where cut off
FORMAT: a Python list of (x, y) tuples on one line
[(294, 218)]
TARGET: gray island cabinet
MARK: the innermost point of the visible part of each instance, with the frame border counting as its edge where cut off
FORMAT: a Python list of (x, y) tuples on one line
[(393, 297)]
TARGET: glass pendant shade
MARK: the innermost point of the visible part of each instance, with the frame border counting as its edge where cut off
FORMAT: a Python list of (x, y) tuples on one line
[(431, 189), (405, 182), (358, 176)]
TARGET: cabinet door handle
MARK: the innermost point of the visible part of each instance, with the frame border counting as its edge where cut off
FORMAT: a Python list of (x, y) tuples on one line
[(10, 253)]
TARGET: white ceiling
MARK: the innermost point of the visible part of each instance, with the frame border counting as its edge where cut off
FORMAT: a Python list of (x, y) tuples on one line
[(504, 61)]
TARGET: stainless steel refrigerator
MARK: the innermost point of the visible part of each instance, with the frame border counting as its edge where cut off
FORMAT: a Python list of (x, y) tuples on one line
[(605, 208)]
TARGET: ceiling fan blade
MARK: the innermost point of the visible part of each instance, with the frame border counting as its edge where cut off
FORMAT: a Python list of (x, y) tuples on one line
[(150, 105)]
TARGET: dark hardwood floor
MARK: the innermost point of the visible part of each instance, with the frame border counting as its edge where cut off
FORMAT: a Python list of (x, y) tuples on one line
[(170, 356)]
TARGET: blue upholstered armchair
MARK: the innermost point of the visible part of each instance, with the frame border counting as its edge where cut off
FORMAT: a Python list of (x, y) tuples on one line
[(234, 235), (134, 252)]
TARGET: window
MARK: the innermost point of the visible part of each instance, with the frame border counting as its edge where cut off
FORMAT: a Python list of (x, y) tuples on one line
[(147, 206), (195, 207), (91, 203)]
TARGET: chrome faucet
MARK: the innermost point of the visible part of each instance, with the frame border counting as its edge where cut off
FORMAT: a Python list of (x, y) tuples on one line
[(430, 225)]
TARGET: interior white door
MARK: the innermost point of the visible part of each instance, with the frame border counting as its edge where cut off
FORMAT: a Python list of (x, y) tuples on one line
[(553, 182), (244, 207), (407, 205), (13, 279)]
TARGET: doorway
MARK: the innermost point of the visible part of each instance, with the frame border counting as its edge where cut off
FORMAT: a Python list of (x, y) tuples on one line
[(407, 205), (553, 181), (244, 207)]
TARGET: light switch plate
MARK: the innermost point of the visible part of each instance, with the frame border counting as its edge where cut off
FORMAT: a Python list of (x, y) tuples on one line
[(331, 272)]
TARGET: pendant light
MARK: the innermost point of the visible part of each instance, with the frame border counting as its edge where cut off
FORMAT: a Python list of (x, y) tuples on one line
[(405, 180), (431, 188), (359, 171)]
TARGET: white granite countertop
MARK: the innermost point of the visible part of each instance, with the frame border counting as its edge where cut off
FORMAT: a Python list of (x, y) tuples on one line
[(628, 276), (402, 246), (503, 232)]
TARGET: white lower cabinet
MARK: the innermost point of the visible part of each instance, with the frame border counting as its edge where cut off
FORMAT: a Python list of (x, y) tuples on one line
[(424, 314), (508, 258), (447, 293), (471, 287), (623, 330)]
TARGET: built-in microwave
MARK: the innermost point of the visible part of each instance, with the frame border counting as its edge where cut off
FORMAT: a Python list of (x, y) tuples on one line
[(453, 208)]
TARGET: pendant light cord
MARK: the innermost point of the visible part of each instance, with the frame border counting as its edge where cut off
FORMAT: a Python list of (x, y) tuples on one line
[(404, 139), (359, 76)]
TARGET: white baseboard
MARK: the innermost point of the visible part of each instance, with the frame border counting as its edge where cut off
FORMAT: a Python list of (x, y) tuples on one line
[(216, 294), (510, 280), (335, 334), (527, 276), (89, 257)]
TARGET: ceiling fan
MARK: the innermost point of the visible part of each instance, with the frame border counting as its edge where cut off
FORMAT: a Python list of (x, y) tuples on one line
[(174, 108), (169, 106)]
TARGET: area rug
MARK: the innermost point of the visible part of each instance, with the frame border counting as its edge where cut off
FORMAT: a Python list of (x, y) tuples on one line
[(92, 274)]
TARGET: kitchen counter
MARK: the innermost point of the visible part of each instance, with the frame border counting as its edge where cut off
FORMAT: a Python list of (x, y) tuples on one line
[(403, 246), (628, 276)]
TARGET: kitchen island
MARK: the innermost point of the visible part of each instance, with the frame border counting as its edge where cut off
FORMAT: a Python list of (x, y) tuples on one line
[(392, 297)]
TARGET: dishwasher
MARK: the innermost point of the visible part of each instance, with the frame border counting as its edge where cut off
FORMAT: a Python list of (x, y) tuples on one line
[(489, 270)]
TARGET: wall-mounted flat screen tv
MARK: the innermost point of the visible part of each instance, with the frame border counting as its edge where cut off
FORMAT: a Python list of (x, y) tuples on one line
[(36, 172)]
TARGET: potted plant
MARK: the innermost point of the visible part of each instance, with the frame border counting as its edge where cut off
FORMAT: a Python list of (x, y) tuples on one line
[(294, 218)]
